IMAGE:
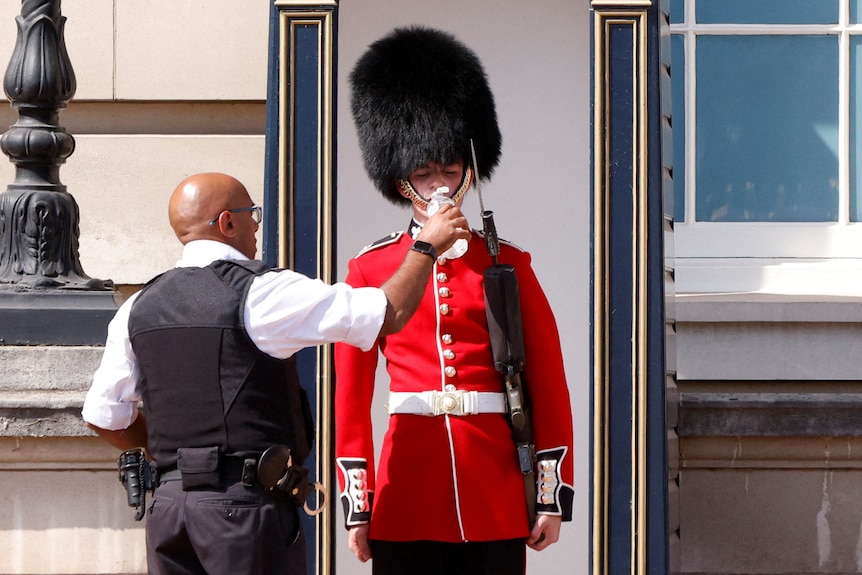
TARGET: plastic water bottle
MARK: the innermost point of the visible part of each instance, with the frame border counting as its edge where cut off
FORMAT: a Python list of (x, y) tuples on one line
[(440, 197)]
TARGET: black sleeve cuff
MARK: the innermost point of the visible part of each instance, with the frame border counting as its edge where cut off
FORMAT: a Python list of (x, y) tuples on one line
[(356, 498)]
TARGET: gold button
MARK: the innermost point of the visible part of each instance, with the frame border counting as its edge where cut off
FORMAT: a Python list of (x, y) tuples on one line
[(444, 292), (450, 371), (441, 277), (447, 338), (444, 308), (441, 261), (448, 354), (547, 499)]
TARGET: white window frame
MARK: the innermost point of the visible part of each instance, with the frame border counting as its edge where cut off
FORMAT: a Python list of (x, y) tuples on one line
[(775, 257)]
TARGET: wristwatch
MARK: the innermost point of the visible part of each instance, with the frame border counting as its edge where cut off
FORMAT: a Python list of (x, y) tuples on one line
[(424, 248)]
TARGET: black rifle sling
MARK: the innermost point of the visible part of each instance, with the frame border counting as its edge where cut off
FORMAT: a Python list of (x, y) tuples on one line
[(502, 306), (503, 310)]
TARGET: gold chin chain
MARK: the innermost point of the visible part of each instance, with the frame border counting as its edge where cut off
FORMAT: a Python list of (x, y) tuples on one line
[(406, 189)]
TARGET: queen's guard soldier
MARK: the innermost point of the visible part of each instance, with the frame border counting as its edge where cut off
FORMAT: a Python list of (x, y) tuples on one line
[(448, 494)]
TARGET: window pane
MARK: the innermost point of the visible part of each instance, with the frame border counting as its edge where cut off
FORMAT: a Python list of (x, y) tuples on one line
[(677, 11), (854, 11), (767, 11), (855, 128), (767, 128), (677, 70)]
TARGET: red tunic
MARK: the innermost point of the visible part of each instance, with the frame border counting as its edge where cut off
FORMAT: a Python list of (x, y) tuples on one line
[(450, 478)]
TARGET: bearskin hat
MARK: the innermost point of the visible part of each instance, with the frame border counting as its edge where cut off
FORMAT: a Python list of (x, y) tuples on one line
[(419, 95)]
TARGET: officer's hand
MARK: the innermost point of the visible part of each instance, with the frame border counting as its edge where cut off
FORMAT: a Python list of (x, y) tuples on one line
[(443, 228), (357, 541), (546, 532)]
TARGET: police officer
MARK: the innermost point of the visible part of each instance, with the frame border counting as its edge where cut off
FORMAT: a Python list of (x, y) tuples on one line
[(207, 348), (448, 495)]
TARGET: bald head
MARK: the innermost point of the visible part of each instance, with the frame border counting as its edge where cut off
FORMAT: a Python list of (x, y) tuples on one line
[(199, 199)]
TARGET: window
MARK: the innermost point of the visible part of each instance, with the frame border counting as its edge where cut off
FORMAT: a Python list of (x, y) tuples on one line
[(767, 124)]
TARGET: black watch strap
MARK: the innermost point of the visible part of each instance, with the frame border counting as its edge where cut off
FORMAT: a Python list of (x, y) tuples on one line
[(424, 248)]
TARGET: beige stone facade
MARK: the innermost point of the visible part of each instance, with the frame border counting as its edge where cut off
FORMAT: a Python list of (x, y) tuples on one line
[(167, 88), (769, 433), (765, 471), (164, 89)]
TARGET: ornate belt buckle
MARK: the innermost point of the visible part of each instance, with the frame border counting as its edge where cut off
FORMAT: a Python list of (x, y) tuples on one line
[(449, 403)]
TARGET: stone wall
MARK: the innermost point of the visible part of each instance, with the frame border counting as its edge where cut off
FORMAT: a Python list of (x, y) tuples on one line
[(62, 508), (770, 432)]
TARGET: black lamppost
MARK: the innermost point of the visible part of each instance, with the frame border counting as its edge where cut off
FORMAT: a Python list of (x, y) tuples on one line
[(40, 271), (38, 217)]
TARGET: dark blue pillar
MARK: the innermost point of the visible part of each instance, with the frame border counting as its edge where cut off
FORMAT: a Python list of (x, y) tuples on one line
[(629, 496), (299, 194)]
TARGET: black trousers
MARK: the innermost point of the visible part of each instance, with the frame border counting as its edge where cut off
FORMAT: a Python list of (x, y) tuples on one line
[(508, 557), (235, 529)]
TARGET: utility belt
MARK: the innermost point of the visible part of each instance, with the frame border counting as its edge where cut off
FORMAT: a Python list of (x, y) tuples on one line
[(207, 468), (449, 402)]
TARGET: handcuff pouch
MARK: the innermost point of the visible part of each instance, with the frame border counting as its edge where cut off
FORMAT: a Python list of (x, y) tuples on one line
[(278, 474)]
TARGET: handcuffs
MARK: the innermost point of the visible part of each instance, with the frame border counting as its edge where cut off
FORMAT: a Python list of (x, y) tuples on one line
[(277, 473)]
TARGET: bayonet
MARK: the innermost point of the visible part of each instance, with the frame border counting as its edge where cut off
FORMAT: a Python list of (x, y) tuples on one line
[(492, 243)]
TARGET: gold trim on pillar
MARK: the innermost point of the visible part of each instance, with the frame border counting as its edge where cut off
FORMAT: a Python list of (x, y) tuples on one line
[(287, 136), (305, 3), (620, 3), (635, 22), (289, 21)]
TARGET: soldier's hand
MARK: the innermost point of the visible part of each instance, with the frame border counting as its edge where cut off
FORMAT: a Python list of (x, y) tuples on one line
[(357, 541), (444, 228), (546, 532)]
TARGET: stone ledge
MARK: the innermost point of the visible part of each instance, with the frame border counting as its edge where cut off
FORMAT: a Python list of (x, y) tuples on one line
[(764, 307), (768, 351), (42, 399), (770, 453), (770, 414), (41, 368), (44, 413), (57, 453), (42, 422), (55, 317)]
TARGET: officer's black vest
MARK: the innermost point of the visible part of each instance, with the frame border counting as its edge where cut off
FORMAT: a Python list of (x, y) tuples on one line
[(203, 381)]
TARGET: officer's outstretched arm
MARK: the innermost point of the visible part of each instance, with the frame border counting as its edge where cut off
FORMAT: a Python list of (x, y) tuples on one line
[(404, 290)]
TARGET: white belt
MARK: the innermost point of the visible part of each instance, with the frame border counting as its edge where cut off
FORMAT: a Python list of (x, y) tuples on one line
[(456, 402)]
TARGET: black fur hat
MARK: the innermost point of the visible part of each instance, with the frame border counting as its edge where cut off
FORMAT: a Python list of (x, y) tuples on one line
[(420, 95)]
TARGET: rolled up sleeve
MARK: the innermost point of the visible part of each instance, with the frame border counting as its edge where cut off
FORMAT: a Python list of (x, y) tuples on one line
[(113, 397), (286, 312)]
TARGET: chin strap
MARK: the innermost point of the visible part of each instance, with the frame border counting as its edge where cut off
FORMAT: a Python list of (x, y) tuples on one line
[(407, 190)]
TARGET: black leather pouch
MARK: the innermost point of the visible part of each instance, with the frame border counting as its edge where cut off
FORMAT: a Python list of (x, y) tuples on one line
[(279, 475), (199, 467)]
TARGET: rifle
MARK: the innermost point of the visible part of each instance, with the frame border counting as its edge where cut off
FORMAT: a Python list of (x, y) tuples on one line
[(503, 310)]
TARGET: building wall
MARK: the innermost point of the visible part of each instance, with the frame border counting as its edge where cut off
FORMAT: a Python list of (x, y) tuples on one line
[(770, 407), (165, 89), (168, 88)]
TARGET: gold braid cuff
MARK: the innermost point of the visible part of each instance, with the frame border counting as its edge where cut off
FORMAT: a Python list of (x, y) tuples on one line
[(406, 188)]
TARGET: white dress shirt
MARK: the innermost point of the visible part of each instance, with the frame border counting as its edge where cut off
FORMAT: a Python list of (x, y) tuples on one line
[(284, 312)]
